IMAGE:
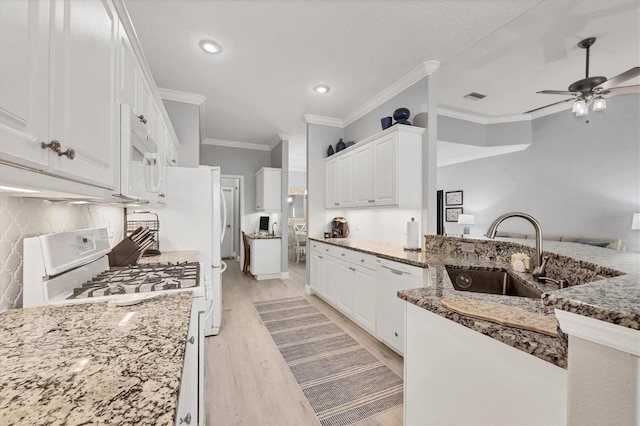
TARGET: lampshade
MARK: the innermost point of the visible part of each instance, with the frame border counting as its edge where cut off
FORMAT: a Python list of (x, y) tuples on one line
[(581, 108), (600, 104), (635, 223), (466, 219)]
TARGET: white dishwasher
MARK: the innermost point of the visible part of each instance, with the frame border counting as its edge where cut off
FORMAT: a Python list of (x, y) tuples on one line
[(392, 277)]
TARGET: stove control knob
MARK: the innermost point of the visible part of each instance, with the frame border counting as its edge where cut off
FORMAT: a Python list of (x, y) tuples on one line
[(187, 419), (191, 340)]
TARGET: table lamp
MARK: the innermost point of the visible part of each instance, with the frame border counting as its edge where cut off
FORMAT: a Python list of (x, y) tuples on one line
[(466, 219)]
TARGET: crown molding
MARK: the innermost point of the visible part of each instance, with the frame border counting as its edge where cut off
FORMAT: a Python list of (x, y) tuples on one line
[(409, 79), (481, 119), (236, 144), (324, 121), (186, 97), (284, 136)]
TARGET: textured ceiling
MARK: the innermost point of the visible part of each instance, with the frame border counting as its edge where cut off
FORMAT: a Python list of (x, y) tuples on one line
[(276, 51)]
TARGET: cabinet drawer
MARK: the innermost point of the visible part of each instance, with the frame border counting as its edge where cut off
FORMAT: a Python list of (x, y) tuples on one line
[(316, 246), (340, 253), (364, 260)]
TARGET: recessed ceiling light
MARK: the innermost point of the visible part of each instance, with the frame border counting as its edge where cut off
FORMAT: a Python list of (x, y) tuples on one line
[(210, 46), (16, 189), (321, 88)]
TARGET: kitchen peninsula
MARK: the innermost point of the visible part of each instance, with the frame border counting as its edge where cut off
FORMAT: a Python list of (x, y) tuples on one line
[(94, 362), (265, 256), (504, 373)]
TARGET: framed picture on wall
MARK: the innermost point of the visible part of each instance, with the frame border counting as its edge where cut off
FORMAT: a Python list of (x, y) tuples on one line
[(453, 213), (453, 198)]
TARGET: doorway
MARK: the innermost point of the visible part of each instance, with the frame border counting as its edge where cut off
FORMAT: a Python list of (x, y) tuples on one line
[(232, 190)]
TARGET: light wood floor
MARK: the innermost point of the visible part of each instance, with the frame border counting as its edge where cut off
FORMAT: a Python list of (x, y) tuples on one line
[(248, 382)]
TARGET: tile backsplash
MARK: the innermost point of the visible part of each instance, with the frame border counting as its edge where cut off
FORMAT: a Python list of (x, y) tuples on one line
[(21, 218), (384, 225)]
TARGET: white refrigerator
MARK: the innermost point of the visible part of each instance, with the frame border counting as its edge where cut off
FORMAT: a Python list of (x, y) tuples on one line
[(194, 219)]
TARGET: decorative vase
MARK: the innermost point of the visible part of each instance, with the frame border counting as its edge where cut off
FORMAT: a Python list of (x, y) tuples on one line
[(401, 115), (330, 151), (386, 122), (340, 145)]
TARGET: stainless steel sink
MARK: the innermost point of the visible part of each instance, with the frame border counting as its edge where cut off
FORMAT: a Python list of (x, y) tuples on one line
[(489, 281)]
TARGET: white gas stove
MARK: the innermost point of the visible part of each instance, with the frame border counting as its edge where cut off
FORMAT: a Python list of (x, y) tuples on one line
[(72, 267)]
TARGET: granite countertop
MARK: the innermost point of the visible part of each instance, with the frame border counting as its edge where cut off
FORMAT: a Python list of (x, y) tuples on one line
[(263, 236), (612, 297), (171, 257), (84, 363)]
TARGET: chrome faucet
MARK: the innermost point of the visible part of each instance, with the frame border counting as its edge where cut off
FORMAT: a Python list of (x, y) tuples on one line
[(541, 264)]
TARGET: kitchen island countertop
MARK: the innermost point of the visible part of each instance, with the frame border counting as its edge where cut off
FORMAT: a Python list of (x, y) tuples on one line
[(93, 362), (612, 298)]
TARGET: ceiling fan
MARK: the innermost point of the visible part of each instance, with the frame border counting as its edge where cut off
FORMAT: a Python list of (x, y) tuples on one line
[(591, 90)]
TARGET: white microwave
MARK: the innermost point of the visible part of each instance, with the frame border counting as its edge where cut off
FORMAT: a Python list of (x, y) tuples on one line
[(140, 163)]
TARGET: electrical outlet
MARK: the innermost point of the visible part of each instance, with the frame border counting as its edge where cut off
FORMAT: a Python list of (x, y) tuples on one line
[(467, 247)]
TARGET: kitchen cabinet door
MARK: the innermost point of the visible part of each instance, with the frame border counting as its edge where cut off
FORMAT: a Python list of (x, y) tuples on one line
[(24, 82), (330, 281), (331, 184), (269, 190), (128, 70), (84, 114), (192, 383), (364, 300), (363, 171), (316, 276), (345, 182), (385, 191), (344, 282)]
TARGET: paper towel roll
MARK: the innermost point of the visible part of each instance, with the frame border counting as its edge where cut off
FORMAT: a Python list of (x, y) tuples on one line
[(413, 234)]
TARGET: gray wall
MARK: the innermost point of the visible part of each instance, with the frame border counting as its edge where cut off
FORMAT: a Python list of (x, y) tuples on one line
[(470, 133), (576, 178), (276, 156), (238, 161), (185, 119)]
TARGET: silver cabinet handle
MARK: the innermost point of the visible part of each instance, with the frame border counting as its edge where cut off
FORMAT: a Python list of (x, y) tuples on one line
[(161, 195), (173, 161), (326, 249), (320, 257), (186, 419), (142, 119), (342, 254), (56, 147), (53, 146), (361, 260), (395, 271), (69, 153), (191, 340)]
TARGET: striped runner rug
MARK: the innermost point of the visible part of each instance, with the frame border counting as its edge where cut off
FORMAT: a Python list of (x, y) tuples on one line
[(343, 382)]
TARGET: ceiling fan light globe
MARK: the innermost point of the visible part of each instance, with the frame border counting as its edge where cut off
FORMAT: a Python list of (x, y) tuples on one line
[(580, 107), (600, 104), (576, 107)]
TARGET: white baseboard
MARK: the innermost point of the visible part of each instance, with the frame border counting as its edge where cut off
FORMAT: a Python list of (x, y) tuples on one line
[(284, 275)]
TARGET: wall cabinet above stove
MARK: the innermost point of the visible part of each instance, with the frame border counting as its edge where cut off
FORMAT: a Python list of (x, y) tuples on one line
[(59, 113), (384, 170)]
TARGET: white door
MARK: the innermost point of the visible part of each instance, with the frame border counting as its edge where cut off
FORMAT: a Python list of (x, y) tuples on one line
[(228, 249)]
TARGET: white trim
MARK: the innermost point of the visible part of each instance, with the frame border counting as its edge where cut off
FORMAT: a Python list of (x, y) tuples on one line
[(284, 136), (284, 275), (409, 79), (186, 97), (324, 121), (307, 290), (480, 119), (603, 333), (236, 144)]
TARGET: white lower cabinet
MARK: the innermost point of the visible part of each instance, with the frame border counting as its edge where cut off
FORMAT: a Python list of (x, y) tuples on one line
[(364, 288), (191, 399), (364, 301), (265, 258)]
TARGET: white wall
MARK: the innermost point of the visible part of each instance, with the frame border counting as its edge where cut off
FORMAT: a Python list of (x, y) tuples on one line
[(185, 119), (575, 178)]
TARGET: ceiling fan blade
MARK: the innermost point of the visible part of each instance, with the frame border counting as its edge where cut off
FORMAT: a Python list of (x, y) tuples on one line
[(623, 90), (556, 92), (621, 78), (547, 106)]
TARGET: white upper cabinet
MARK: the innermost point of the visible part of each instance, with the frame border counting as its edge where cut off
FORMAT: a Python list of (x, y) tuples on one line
[(269, 190), (58, 110), (382, 170), (85, 115), (24, 82)]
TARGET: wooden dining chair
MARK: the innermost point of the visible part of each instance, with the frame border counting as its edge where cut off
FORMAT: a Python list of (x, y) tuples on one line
[(247, 253)]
